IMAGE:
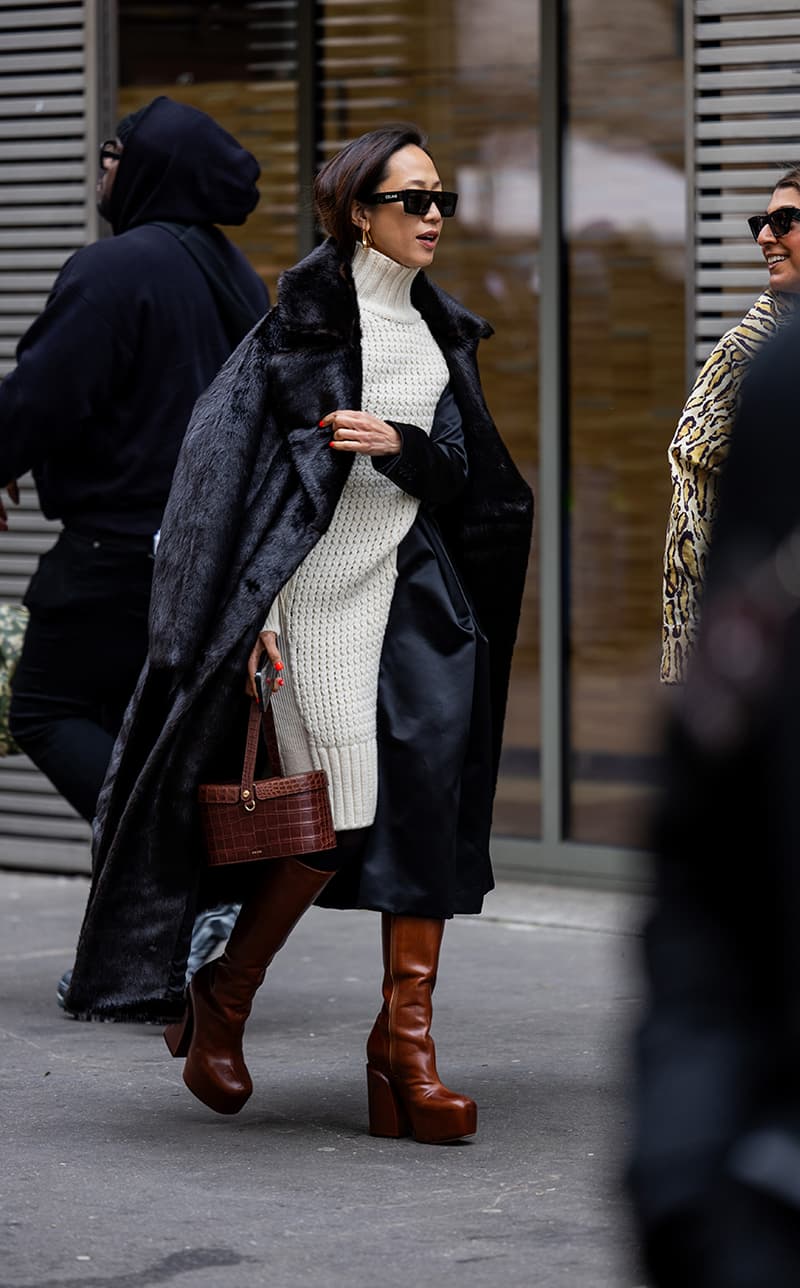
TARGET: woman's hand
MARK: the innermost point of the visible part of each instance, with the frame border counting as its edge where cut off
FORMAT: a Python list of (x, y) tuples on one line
[(267, 642), (360, 432)]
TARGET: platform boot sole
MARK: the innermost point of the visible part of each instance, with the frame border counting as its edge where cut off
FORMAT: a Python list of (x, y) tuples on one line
[(391, 1117), (178, 1037)]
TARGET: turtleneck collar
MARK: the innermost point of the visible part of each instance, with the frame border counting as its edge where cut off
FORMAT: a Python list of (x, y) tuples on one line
[(382, 285)]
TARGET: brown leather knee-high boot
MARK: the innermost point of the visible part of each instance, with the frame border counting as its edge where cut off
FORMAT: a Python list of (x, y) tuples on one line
[(220, 994), (406, 1096)]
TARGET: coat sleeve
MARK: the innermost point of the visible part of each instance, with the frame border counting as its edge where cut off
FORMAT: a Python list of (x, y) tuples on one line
[(68, 364), (225, 451), (431, 467), (696, 455)]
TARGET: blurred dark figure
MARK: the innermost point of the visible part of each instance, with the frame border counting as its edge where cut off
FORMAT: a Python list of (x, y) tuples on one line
[(716, 1168), (135, 328)]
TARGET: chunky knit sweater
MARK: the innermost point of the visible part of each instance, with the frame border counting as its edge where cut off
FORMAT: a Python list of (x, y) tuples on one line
[(332, 614)]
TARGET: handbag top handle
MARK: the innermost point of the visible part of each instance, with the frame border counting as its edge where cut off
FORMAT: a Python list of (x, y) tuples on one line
[(259, 722)]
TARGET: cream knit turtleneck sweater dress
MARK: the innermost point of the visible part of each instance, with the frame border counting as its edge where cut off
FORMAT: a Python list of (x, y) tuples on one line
[(331, 615)]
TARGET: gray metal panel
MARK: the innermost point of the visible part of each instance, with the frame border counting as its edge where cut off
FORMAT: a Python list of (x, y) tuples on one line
[(716, 179), (48, 140), (25, 195), (20, 237), (54, 105), (33, 84), (20, 303), (728, 104), (755, 277), (69, 15), (39, 39), (17, 260), (52, 172), (720, 8), (740, 203), (781, 127), (741, 54), (45, 216), (714, 228), (759, 78), (717, 253), (710, 328), (729, 153), (714, 305), (742, 58), (25, 149), (750, 29), (68, 60)]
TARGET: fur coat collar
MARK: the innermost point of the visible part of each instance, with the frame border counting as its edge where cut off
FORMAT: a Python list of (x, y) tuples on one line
[(317, 298)]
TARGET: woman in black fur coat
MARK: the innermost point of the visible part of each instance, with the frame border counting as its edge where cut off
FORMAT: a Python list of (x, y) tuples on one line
[(343, 500)]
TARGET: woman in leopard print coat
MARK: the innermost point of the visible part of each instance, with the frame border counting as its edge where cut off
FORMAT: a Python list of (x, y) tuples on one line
[(699, 447)]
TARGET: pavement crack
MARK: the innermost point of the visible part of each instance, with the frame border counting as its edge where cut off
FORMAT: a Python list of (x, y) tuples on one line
[(161, 1272)]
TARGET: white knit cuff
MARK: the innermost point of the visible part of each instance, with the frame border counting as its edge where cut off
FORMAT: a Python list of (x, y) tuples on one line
[(273, 619), (352, 781)]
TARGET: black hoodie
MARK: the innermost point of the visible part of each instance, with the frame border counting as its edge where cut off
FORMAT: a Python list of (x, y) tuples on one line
[(133, 332)]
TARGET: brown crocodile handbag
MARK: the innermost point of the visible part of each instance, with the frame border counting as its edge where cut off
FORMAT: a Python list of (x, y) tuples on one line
[(272, 818)]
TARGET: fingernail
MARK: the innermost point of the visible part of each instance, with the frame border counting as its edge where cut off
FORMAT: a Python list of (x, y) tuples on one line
[(331, 444), (279, 666), (280, 684), (322, 424)]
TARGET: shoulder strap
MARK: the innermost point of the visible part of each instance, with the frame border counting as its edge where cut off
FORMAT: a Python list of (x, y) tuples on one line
[(237, 314)]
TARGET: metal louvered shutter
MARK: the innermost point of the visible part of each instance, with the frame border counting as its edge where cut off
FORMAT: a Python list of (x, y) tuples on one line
[(56, 102), (745, 101)]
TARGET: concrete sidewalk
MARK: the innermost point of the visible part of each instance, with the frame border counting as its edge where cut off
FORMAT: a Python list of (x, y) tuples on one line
[(113, 1176)]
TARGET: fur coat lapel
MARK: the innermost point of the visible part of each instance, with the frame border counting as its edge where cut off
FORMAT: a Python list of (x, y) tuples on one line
[(317, 304), (255, 487)]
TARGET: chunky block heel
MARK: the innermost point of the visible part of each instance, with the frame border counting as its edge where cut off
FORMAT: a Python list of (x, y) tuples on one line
[(406, 1096), (178, 1036), (387, 1117)]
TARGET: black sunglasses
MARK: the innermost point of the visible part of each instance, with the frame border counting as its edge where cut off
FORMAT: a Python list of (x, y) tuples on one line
[(780, 221), (109, 151), (418, 201)]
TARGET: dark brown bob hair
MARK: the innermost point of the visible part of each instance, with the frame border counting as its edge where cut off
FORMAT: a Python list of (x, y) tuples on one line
[(791, 179), (354, 174)]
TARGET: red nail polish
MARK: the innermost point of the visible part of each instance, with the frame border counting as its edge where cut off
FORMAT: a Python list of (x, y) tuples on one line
[(280, 684), (331, 444), (322, 424), (279, 666)]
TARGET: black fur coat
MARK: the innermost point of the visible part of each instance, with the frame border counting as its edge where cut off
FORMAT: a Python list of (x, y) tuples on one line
[(255, 487)]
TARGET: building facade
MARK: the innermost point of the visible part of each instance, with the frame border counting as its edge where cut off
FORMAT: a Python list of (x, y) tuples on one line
[(605, 156)]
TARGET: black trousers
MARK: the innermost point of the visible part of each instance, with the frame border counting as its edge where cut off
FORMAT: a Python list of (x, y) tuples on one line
[(84, 648)]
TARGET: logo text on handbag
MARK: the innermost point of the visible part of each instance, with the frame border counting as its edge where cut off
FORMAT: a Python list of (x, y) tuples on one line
[(255, 853)]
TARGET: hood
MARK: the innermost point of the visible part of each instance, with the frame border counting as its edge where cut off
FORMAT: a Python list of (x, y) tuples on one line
[(178, 164)]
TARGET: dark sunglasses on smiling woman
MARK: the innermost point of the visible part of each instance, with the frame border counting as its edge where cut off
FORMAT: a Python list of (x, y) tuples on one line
[(780, 221), (418, 201)]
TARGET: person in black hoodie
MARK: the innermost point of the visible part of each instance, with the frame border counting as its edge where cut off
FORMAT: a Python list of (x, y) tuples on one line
[(135, 328)]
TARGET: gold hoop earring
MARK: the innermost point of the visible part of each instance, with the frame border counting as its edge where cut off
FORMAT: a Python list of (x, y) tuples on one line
[(366, 240)]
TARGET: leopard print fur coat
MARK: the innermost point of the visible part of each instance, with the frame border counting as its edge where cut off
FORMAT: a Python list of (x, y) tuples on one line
[(696, 456)]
